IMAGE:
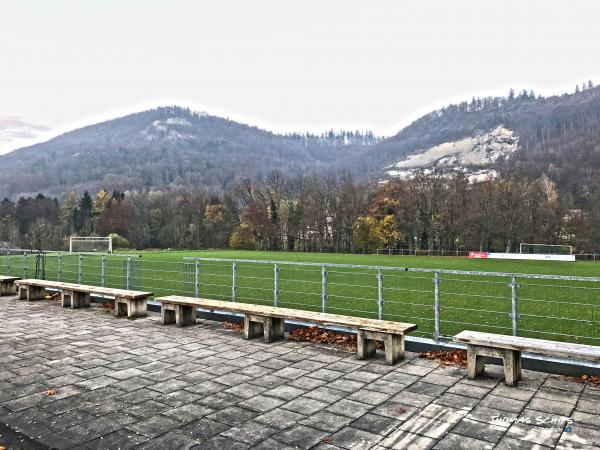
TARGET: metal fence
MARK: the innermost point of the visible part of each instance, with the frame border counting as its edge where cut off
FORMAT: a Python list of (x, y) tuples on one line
[(441, 302)]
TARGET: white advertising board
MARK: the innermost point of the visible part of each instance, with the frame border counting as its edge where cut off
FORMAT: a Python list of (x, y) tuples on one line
[(531, 257)]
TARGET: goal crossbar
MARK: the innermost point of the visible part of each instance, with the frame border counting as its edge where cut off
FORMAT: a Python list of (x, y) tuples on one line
[(107, 243)]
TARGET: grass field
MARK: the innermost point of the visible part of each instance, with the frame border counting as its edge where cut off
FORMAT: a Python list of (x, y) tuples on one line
[(550, 309)]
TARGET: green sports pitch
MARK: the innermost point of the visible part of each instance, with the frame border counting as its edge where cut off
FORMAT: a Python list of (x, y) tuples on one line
[(550, 309)]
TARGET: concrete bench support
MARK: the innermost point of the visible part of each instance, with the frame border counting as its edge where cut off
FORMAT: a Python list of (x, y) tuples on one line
[(30, 293), (182, 315), (255, 326), (393, 343), (75, 299), (130, 307), (8, 286), (476, 355)]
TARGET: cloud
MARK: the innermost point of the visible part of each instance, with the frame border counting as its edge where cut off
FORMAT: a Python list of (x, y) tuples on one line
[(15, 132)]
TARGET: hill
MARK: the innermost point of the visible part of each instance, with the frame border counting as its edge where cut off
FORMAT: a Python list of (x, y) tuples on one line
[(167, 146), (524, 134)]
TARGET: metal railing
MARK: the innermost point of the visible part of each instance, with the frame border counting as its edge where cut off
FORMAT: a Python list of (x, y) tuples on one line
[(441, 302)]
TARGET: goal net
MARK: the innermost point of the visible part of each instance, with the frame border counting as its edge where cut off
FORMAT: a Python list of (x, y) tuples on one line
[(545, 249), (78, 244)]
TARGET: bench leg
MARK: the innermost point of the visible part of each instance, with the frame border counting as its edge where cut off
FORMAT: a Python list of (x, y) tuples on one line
[(167, 314), (274, 329), (35, 293), (185, 315), (394, 348), (22, 292), (65, 299), (252, 328), (475, 362), (137, 307), (366, 347), (80, 300), (8, 288), (512, 367)]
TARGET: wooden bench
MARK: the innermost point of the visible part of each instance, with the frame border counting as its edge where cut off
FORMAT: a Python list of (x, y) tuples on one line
[(509, 348), (127, 303), (268, 321), (7, 285)]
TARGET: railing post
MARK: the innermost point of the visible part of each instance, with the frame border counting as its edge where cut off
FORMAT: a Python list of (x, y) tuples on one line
[(275, 284), (24, 265), (103, 271), (323, 289), (129, 272), (380, 294), (59, 267), (80, 268), (233, 282), (196, 278), (7, 263), (514, 315), (436, 306)]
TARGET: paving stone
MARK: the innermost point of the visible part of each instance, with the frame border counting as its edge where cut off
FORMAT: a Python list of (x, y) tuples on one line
[(305, 405), (479, 430), (221, 443), (535, 434), (234, 415), (551, 406), (349, 408), (581, 436), (445, 413), (457, 442), (508, 443), (346, 385), (426, 388), (412, 399), (300, 436), (154, 425), (405, 440), (503, 403), (285, 392), (146, 409), (326, 421), (262, 403), (468, 390), (189, 412), (203, 429), (354, 438), (172, 440), (280, 418), (372, 398), (374, 423), (250, 432), (394, 410), (326, 394), (426, 426), (122, 438)]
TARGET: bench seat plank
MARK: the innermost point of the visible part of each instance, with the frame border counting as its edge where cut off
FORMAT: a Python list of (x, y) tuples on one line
[(383, 326), (539, 346), (123, 293)]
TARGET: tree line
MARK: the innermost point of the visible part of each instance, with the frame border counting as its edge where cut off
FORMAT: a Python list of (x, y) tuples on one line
[(330, 212)]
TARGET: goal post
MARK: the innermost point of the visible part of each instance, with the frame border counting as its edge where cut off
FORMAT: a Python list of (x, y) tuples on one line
[(545, 249), (90, 244)]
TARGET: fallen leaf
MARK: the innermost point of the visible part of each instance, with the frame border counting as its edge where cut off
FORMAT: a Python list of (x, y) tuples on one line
[(327, 440), (52, 391), (399, 409)]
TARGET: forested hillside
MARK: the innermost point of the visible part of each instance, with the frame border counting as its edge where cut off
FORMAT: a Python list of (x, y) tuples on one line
[(168, 146)]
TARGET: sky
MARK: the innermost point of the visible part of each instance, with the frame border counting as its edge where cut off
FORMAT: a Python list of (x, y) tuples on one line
[(282, 65)]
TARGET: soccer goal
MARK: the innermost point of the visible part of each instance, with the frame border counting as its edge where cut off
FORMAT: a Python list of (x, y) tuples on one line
[(545, 249), (79, 244)]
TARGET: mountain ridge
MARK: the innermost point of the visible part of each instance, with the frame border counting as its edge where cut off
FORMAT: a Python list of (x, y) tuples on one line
[(173, 146)]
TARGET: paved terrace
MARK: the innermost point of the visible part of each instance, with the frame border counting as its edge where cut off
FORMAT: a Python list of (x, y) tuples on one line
[(124, 384)]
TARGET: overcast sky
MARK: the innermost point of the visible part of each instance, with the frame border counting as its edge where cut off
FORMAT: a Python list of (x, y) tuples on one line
[(279, 64)]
